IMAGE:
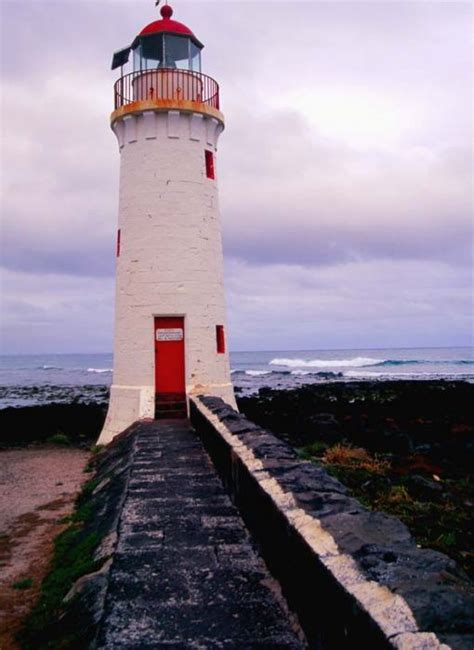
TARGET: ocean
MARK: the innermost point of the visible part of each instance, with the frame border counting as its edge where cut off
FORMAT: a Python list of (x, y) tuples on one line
[(41, 379)]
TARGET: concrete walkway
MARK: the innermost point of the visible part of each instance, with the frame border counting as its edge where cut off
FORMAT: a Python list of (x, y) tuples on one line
[(185, 574)]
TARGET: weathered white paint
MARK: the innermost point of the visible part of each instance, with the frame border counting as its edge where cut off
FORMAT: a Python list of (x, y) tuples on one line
[(170, 262)]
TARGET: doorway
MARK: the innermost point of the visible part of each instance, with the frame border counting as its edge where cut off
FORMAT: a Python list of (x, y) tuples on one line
[(170, 387)]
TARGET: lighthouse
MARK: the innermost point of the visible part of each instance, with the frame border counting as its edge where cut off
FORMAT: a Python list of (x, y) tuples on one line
[(170, 324)]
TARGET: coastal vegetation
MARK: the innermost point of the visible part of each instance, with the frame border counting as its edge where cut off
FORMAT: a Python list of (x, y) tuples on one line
[(59, 439), (74, 424), (435, 510), (404, 448), (73, 557), (24, 583)]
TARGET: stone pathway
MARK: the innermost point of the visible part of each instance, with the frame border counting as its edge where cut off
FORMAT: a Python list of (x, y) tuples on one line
[(185, 574)]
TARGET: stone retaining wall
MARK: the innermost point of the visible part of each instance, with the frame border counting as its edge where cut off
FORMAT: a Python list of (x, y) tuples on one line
[(74, 623), (355, 578)]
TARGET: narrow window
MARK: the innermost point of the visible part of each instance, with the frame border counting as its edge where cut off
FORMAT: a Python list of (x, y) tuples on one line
[(210, 172), (220, 339), (118, 242)]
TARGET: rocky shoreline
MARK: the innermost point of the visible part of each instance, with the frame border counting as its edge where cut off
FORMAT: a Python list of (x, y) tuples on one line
[(402, 447), (400, 417), (405, 448), (77, 424)]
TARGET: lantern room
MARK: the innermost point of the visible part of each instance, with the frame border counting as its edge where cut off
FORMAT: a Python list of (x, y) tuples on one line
[(166, 73), (163, 44)]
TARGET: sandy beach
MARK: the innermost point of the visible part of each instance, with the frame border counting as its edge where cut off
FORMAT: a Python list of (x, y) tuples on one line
[(38, 487)]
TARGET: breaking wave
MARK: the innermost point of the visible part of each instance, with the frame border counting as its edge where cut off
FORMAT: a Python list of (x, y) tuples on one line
[(325, 375), (357, 362), (361, 374), (362, 362), (78, 370), (414, 362)]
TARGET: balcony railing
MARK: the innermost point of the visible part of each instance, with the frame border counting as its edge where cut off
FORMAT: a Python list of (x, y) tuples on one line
[(166, 84)]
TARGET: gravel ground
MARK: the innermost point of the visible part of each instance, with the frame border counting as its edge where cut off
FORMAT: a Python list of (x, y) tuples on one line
[(38, 487)]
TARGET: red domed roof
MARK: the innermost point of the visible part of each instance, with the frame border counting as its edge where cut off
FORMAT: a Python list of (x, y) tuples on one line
[(166, 24)]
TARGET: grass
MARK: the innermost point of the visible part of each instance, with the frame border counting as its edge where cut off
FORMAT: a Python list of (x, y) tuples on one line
[(24, 583), (86, 492), (314, 449), (60, 439), (440, 521), (73, 557), (95, 449), (355, 457)]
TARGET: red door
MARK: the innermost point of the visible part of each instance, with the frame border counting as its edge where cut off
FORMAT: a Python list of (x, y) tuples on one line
[(169, 367)]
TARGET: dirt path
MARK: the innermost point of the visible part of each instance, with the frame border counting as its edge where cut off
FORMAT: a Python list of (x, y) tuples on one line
[(37, 488)]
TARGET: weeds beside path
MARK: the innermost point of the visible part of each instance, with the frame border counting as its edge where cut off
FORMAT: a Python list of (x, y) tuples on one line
[(39, 486), (436, 510)]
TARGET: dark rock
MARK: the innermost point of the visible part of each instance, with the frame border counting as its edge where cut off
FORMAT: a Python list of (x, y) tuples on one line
[(305, 477), (434, 586), (326, 427), (440, 607), (83, 609), (401, 443), (425, 448), (354, 529), (423, 489), (81, 423), (458, 641), (328, 504), (211, 402), (242, 425), (396, 566), (393, 416), (267, 446)]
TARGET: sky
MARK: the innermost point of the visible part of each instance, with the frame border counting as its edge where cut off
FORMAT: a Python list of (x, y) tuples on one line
[(345, 170)]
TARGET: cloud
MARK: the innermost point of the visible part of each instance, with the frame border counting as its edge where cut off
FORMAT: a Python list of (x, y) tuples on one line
[(357, 304), (55, 313), (60, 186), (316, 200), (347, 147)]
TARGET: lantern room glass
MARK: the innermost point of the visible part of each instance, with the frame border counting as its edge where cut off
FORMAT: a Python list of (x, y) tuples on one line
[(166, 51), (194, 57)]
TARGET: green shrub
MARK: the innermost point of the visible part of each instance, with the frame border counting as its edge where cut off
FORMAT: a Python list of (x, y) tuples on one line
[(95, 449), (59, 439), (24, 583), (73, 557)]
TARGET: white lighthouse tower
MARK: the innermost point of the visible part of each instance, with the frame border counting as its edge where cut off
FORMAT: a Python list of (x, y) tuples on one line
[(170, 337)]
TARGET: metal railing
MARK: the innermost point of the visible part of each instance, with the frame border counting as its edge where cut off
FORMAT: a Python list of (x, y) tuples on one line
[(166, 84)]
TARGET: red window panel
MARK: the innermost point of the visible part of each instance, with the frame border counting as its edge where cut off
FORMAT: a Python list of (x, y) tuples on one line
[(210, 169), (118, 242), (220, 339)]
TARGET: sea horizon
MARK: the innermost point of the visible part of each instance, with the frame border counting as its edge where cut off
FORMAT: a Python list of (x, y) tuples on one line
[(29, 379), (286, 349)]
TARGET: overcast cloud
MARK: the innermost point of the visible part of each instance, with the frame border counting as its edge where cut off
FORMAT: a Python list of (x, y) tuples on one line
[(345, 170)]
